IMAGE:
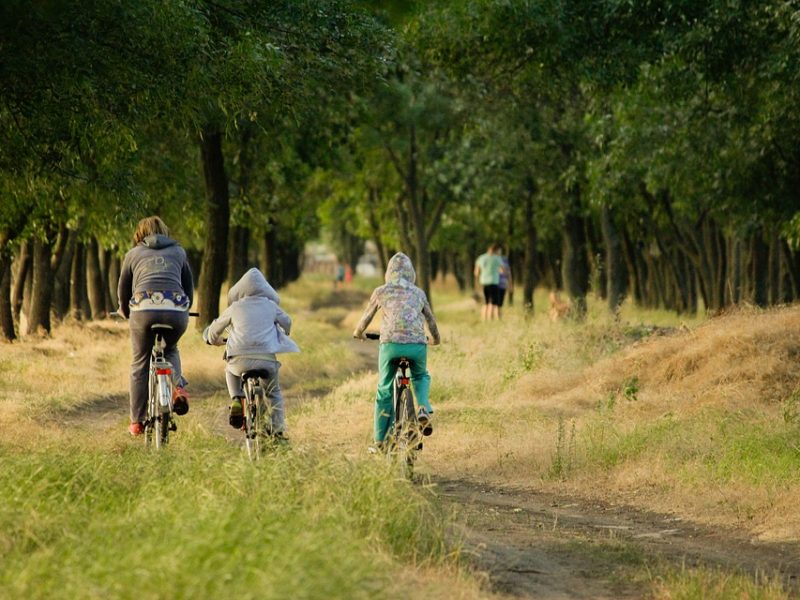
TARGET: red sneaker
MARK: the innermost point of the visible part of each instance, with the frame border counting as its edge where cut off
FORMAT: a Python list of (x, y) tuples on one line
[(136, 429), (180, 400)]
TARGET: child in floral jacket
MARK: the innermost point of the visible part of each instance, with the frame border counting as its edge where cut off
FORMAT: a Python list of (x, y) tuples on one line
[(405, 311)]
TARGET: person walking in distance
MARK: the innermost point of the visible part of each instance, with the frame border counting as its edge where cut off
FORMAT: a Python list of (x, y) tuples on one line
[(488, 267), (155, 286)]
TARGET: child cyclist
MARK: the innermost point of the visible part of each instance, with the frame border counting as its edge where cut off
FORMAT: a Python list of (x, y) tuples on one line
[(257, 330), (405, 307)]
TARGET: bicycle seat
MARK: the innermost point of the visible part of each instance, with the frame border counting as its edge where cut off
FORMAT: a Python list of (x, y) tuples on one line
[(255, 374), (157, 326)]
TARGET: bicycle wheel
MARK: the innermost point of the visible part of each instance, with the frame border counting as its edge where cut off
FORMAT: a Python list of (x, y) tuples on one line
[(152, 401), (162, 416), (405, 432), (255, 426)]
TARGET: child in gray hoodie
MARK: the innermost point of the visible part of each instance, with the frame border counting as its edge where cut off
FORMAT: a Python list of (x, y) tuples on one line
[(257, 329)]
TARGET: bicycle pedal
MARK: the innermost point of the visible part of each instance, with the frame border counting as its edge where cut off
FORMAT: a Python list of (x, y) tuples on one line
[(173, 426)]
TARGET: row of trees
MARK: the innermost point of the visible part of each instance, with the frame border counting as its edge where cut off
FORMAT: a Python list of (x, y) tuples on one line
[(208, 113), (634, 149), (643, 149)]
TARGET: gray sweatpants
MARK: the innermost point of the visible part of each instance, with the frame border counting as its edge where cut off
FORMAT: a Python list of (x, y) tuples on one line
[(142, 343), (241, 364)]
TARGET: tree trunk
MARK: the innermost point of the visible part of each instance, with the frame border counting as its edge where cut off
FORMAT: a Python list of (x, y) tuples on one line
[(24, 261), (792, 272), (94, 281), (615, 262), (270, 260), (529, 260), (760, 269), (217, 208), (42, 290), (774, 270), (375, 227), (78, 296), (6, 313), (634, 269), (106, 265), (238, 248), (575, 268), (113, 268), (61, 282)]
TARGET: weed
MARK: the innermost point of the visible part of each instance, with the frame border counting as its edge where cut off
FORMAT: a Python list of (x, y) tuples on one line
[(629, 388), (791, 407), (564, 455), (531, 356)]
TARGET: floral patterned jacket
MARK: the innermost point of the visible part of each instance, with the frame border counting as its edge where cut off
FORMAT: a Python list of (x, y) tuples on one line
[(405, 307)]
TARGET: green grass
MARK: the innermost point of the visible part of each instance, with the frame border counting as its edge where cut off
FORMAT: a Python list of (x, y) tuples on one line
[(750, 446), (198, 520), (706, 584)]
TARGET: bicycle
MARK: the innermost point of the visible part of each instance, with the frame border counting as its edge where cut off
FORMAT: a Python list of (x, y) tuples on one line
[(159, 421), (257, 425), (404, 439)]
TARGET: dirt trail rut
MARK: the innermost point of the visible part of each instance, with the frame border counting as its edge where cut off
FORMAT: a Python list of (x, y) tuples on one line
[(534, 544)]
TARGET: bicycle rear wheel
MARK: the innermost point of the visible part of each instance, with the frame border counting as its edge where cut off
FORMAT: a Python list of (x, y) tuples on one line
[(150, 420), (162, 402), (256, 431), (405, 433)]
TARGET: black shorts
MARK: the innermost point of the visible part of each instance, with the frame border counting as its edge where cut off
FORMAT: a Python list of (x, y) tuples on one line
[(501, 295), (491, 294)]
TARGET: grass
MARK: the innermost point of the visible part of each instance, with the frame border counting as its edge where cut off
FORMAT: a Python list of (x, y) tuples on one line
[(198, 521), (89, 513), (702, 583), (647, 408)]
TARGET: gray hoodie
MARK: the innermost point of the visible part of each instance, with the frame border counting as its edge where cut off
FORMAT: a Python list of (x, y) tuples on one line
[(156, 264), (405, 306), (255, 322)]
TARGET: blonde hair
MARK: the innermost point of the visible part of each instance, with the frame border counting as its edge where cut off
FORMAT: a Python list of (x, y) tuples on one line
[(149, 226)]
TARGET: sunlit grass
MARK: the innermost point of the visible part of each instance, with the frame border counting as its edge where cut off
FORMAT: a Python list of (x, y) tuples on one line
[(705, 583), (201, 521)]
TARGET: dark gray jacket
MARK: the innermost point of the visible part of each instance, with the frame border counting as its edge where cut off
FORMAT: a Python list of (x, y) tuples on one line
[(157, 264), (254, 321)]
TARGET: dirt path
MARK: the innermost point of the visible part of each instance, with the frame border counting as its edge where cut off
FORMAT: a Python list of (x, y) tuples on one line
[(534, 544)]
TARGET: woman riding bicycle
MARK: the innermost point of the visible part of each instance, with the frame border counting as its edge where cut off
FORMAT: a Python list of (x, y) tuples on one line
[(155, 287), (405, 310)]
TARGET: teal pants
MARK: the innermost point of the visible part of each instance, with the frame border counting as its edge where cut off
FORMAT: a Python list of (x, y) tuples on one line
[(388, 357)]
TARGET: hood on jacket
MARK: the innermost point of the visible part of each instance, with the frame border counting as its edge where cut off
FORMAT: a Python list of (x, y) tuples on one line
[(158, 241), (252, 283), (400, 269)]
